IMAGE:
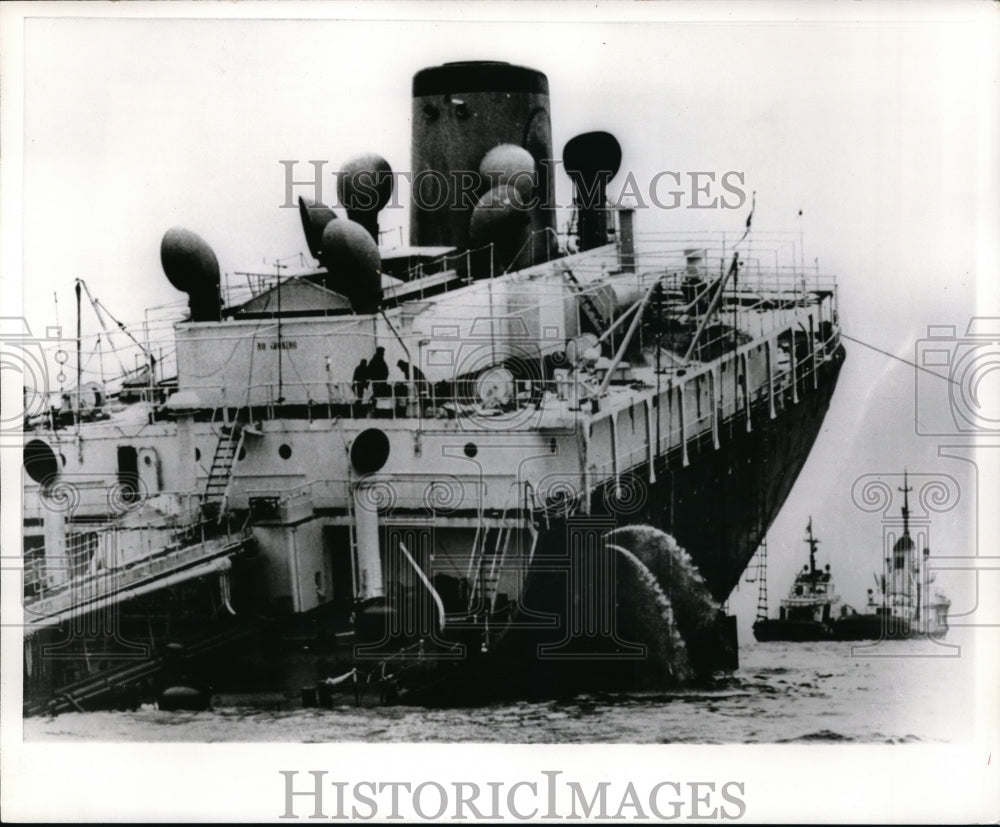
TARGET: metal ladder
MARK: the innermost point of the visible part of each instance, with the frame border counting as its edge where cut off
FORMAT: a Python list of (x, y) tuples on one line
[(220, 473), (586, 302), (488, 562), (762, 586)]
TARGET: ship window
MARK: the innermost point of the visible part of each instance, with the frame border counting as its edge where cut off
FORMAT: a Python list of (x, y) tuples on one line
[(197, 454), (243, 453), (470, 449), (147, 460), (284, 452)]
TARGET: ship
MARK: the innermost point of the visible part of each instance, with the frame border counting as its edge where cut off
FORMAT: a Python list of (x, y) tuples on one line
[(908, 606), (806, 614), (501, 458)]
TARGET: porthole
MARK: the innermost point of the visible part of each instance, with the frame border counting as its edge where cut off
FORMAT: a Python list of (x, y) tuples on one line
[(284, 452), (471, 449), (369, 451), (197, 454)]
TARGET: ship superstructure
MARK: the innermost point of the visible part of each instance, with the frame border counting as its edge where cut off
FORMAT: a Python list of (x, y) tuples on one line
[(805, 614), (907, 605), (389, 452)]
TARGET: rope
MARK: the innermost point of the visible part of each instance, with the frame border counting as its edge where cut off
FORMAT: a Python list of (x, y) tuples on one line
[(897, 358)]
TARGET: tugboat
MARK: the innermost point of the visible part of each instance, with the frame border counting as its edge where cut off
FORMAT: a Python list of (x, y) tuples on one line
[(908, 606), (806, 613), (462, 457)]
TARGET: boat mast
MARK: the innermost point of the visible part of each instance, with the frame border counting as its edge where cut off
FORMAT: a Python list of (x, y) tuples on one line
[(906, 489), (813, 542), (79, 358), (278, 267), (907, 562)]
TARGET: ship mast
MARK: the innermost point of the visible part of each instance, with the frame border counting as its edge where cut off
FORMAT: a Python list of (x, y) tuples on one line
[(906, 489), (907, 562), (813, 542), (79, 359)]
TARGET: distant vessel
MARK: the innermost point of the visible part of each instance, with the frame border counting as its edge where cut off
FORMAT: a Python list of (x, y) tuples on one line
[(806, 613), (909, 607)]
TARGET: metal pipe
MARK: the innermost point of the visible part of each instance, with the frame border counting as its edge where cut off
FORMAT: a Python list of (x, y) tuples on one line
[(427, 583), (711, 307), (628, 338)]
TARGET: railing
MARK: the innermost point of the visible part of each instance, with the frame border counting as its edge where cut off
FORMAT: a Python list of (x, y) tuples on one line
[(449, 399), (170, 544), (389, 399)]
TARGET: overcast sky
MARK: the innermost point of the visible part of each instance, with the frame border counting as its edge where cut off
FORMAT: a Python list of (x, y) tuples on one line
[(883, 133)]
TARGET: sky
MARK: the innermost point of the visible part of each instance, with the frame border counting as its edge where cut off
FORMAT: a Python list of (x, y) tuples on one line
[(876, 131)]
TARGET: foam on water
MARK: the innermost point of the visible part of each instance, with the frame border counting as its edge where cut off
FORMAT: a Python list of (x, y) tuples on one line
[(777, 696), (670, 603)]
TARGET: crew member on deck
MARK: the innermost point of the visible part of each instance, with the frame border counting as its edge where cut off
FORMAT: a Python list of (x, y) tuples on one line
[(378, 372), (419, 379), (360, 380)]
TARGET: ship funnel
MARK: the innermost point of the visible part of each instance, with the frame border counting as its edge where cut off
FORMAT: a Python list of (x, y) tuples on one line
[(192, 267), (478, 125), (354, 266), (315, 217), (364, 186), (592, 159)]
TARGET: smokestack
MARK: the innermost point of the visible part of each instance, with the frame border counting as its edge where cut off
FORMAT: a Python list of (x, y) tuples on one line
[(470, 121)]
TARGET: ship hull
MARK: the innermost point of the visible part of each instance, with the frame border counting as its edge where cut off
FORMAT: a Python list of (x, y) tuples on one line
[(717, 504), (795, 631), (880, 627), (720, 505)]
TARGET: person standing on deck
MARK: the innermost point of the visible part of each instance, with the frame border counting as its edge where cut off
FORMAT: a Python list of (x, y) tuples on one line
[(359, 381), (378, 372)]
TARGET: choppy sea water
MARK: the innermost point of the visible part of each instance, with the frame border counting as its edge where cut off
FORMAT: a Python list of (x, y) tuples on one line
[(901, 692)]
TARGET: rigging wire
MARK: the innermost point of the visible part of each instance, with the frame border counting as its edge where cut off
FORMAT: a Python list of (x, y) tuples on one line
[(897, 358)]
